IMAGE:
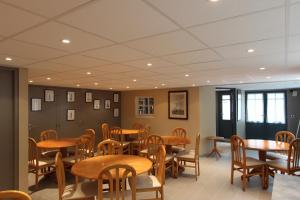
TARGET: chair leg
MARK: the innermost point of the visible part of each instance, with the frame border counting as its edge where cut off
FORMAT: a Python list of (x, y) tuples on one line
[(37, 179), (244, 180), (162, 193), (232, 174), (156, 194), (196, 170)]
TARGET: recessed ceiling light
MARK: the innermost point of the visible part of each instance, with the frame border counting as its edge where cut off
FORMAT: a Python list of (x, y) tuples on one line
[(127, 87), (66, 41), (241, 82), (30, 81), (163, 84), (250, 50), (149, 64), (88, 73), (194, 85), (213, 0), (186, 75), (111, 88), (298, 78), (77, 85), (268, 77), (8, 59), (208, 81), (134, 80), (48, 78), (262, 68), (96, 83), (155, 87)]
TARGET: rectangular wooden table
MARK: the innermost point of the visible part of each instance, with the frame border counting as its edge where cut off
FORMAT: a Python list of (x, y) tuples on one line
[(286, 187)]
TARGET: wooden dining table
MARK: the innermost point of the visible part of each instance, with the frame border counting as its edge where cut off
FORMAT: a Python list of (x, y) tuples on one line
[(91, 167), (61, 144), (171, 140)]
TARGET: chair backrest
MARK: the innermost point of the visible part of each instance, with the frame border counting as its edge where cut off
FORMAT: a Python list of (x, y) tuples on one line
[(90, 133), (116, 133), (181, 132), (105, 131), (142, 138), (238, 153), (50, 134), (160, 164), (117, 173), (197, 147), (60, 174), (84, 148), (284, 136), (32, 152), (153, 143), (109, 147), (294, 156), (14, 194), (137, 125)]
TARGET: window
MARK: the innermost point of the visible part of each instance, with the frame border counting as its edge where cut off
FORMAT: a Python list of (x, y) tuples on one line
[(226, 107), (276, 108), (144, 106), (255, 107), (239, 106)]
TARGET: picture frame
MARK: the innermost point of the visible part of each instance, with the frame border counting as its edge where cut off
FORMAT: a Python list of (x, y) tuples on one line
[(49, 96), (70, 96), (88, 97), (70, 115), (116, 112), (96, 104), (107, 104), (36, 104), (178, 104), (116, 98)]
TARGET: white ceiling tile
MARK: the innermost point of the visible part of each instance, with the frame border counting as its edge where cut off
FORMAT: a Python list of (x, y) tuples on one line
[(294, 25), (138, 74), (249, 28), (116, 53), (119, 20), (51, 66), (193, 57), (191, 12), (16, 62), (209, 66), (156, 62), (169, 70), (294, 43), (261, 48), (36, 72), (45, 7), (116, 68), (269, 61), (51, 34), (13, 20), (80, 61), (168, 43), (294, 60), (25, 50)]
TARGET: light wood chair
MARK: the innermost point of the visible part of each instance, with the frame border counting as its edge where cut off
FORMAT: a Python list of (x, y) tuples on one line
[(180, 132), (82, 190), (91, 133), (116, 176), (281, 136), (149, 183), (14, 194), (109, 147), (50, 134), (117, 133), (243, 164), (138, 125), (106, 134), (139, 144), (192, 156), (292, 164), (36, 164)]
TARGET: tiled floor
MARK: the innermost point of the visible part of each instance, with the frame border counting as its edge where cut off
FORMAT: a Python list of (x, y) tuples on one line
[(213, 184)]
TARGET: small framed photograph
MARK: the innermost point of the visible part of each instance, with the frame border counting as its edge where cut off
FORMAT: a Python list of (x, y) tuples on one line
[(70, 115), (70, 96), (107, 104), (96, 104), (49, 95), (116, 97), (116, 112), (36, 104), (88, 97)]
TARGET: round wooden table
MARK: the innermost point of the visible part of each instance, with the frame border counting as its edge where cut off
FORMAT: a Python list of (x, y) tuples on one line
[(262, 146), (171, 140), (58, 144), (130, 131), (91, 167)]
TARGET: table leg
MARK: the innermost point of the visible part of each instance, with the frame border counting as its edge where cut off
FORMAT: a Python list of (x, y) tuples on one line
[(215, 152)]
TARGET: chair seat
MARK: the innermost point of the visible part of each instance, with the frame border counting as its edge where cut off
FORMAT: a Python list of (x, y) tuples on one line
[(169, 157), (144, 152), (186, 155), (106, 195), (146, 182), (49, 153), (177, 149), (278, 164), (70, 159), (42, 163), (88, 189), (253, 162), (275, 155)]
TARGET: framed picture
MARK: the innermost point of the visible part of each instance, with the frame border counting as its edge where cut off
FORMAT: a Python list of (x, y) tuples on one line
[(107, 104), (70, 96), (36, 104), (70, 115), (116, 97), (88, 97), (96, 104), (178, 104), (116, 112), (49, 95)]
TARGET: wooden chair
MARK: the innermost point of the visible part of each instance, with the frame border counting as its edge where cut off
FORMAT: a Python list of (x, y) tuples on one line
[(106, 134), (137, 125), (91, 133), (281, 136), (116, 176), (83, 190), (50, 134), (149, 183), (109, 147), (243, 164), (36, 165), (191, 156), (139, 144), (181, 132), (292, 164), (117, 133), (14, 194)]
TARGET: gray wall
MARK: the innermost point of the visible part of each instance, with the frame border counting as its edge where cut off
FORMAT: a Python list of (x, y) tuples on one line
[(293, 110), (54, 114), (241, 124)]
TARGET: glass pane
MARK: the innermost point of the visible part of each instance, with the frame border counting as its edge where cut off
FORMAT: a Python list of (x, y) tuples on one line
[(226, 107), (276, 108), (239, 107), (255, 108)]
